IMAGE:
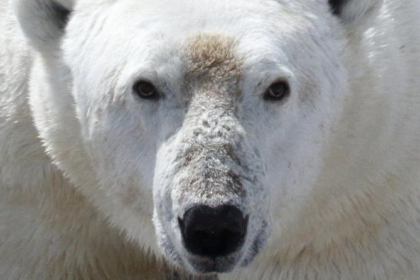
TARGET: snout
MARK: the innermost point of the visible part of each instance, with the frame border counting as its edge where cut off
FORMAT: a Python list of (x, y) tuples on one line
[(213, 232), (211, 205)]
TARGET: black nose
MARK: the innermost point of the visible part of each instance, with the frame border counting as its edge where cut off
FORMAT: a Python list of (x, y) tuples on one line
[(213, 232)]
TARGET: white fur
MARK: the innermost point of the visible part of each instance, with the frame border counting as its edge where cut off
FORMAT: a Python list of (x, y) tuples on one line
[(331, 176)]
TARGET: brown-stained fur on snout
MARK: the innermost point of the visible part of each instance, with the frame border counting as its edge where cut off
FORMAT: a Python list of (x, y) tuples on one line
[(210, 151), (208, 166), (212, 64)]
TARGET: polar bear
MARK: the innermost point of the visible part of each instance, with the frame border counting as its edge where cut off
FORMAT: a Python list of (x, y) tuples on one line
[(230, 140)]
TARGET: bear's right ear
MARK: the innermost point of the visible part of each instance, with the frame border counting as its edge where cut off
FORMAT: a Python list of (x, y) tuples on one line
[(354, 12), (43, 21)]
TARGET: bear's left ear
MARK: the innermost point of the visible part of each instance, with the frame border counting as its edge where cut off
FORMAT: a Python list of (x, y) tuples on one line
[(353, 12), (43, 21)]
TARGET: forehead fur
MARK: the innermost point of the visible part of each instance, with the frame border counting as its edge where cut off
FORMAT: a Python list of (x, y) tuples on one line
[(212, 61)]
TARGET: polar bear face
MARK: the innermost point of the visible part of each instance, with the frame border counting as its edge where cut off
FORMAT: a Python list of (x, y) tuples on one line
[(209, 117), (206, 115)]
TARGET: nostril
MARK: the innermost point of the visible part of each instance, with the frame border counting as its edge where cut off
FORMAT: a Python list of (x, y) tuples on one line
[(213, 232)]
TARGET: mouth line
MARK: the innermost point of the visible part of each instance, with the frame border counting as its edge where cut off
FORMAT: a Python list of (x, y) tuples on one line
[(211, 265)]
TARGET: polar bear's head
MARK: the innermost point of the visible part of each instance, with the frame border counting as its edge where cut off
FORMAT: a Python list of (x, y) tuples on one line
[(208, 117)]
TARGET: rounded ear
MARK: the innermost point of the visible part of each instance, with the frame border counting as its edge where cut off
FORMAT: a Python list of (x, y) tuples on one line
[(355, 12), (43, 21)]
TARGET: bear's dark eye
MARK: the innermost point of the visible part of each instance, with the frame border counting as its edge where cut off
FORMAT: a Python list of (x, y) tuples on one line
[(146, 90), (277, 91)]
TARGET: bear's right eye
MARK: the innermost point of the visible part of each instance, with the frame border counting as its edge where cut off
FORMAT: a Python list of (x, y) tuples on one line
[(146, 90)]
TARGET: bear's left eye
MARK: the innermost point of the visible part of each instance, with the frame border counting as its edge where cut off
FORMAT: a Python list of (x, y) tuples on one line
[(146, 90), (277, 91)]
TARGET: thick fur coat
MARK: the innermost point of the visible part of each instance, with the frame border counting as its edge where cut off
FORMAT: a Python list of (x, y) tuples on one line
[(95, 178)]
